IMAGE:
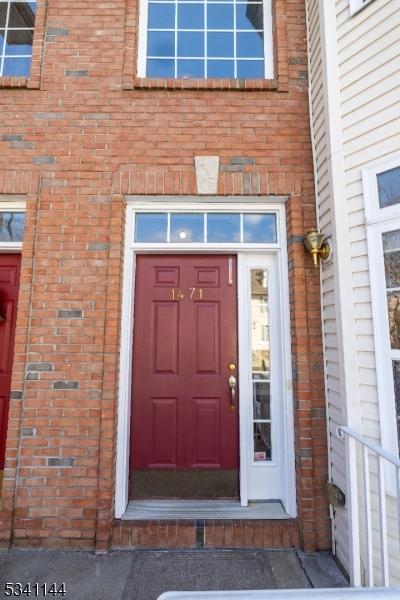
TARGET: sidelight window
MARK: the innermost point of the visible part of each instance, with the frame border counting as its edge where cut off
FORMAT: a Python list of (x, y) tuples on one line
[(206, 39), (17, 22), (260, 365)]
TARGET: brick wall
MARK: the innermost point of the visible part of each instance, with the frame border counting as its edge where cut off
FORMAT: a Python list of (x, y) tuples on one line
[(85, 132)]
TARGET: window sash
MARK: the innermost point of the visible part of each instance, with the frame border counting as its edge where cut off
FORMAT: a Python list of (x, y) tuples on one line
[(268, 41), (380, 221)]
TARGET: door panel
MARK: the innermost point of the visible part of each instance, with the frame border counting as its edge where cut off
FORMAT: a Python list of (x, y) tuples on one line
[(9, 284), (185, 337)]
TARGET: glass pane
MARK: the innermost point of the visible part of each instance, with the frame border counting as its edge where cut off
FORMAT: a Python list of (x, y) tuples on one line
[(249, 16), (392, 269), (22, 14), (19, 42), (187, 228), (220, 69), (1, 41), (191, 16), (259, 229), (161, 43), (159, 67), (220, 16), (223, 228), (261, 400), (17, 67), (151, 227), (259, 323), (249, 45), (12, 226), (393, 301), (389, 187), (190, 43), (220, 45), (190, 68), (250, 69), (161, 16), (396, 382), (3, 14), (391, 240), (262, 442)]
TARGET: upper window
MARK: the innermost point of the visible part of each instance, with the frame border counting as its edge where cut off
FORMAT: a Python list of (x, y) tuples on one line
[(17, 22), (207, 39)]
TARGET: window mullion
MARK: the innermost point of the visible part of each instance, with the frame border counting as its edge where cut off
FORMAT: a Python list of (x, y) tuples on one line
[(234, 41), (176, 40), (205, 40)]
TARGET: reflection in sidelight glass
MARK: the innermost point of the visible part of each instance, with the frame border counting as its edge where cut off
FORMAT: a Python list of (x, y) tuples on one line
[(396, 381), (262, 442), (260, 365), (12, 226), (391, 259), (389, 187)]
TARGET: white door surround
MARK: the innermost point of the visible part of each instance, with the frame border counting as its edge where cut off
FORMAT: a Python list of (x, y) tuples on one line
[(280, 471)]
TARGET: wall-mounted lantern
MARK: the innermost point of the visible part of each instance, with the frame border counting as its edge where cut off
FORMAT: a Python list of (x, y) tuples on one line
[(317, 244)]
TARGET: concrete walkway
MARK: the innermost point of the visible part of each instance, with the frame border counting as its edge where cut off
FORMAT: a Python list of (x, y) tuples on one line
[(144, 575)]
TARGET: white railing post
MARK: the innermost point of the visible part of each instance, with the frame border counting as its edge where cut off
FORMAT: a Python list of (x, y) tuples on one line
[(367, 517), (354, 523), (382, 523), (397, 471)]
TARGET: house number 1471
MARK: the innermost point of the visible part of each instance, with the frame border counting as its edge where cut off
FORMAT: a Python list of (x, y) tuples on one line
[(192, 293)]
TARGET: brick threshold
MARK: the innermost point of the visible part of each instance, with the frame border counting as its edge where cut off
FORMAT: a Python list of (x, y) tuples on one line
[(205, 533)]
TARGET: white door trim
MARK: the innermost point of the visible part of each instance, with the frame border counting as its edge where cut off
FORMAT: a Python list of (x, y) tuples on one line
[(127, 323)]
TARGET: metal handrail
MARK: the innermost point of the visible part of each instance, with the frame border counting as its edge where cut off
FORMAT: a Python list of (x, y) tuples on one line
[(352, 438), (342, 430)]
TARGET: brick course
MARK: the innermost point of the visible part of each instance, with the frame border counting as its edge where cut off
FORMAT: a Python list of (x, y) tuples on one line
[(78, 135)]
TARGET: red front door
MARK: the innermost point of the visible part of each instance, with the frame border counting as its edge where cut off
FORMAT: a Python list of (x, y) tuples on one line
[(9, 283), (185, 349)]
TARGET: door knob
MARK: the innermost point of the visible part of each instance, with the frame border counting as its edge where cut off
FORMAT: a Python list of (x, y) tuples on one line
[(232, 382)]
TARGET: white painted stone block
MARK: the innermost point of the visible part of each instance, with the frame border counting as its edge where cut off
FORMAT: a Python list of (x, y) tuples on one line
[(206, 174)]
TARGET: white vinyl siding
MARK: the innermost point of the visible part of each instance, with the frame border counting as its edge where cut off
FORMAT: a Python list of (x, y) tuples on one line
[(368, 65)]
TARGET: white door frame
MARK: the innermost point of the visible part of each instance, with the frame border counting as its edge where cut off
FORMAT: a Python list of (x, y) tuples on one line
[(279, 249)]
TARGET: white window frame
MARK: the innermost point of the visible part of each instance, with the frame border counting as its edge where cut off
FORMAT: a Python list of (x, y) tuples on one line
[(12, 204), (268, 40), (357, 5), (3, 54), (278, 249), (378, 221)]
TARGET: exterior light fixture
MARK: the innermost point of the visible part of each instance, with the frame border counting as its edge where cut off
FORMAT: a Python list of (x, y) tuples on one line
[(317, 244)]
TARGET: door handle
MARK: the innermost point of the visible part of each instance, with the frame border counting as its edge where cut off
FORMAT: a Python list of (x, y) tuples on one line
[(232, 382)]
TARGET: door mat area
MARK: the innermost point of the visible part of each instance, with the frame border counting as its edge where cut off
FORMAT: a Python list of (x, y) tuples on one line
[(153, 573)]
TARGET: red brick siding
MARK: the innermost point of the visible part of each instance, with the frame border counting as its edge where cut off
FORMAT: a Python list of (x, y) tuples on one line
[(86, 141)]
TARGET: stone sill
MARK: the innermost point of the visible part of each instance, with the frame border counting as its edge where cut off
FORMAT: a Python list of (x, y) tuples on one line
[(204, 84)]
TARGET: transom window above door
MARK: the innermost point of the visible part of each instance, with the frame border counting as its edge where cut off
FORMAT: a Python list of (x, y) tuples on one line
[(212, 228), (206, 39), (17, 22)]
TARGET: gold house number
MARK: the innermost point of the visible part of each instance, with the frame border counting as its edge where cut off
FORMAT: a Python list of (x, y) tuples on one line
[(193, 293)]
